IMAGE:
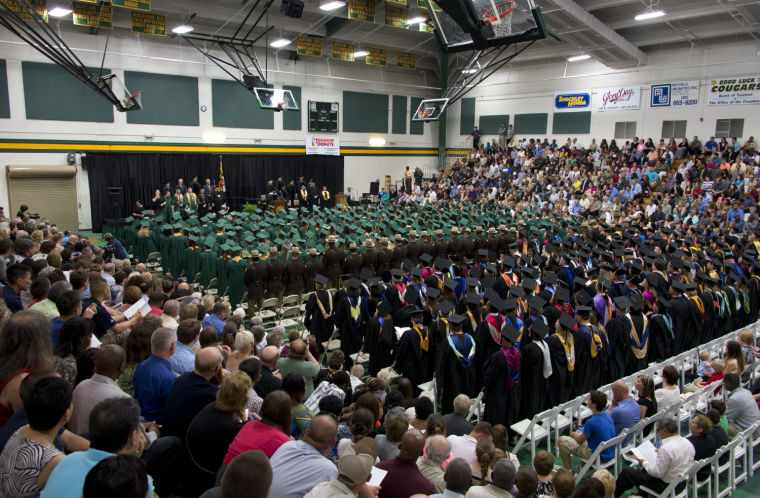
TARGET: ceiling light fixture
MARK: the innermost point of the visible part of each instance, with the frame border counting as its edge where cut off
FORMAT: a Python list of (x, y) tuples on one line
[(360, 53), (279, 43), (376, 142), (649, 15), (335, 4), (182, 29), (469, 71), (577, 58), (59, 12), (415, 20)]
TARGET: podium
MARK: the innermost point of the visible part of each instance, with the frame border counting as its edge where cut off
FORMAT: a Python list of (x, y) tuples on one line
[(341, 200), (277, 205)]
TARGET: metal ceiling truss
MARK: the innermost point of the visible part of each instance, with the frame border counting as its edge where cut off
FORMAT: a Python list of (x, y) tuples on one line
[(239, 50), (40, 36)]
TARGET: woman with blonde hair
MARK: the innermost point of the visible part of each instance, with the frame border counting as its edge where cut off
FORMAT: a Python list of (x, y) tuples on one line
[(243, 349)]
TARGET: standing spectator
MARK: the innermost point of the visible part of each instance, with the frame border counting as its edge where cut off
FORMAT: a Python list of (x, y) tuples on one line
[(741, 407), (408, 181), (154, 378), (598, 429), (502, 131), (675, 456), (476, 135)]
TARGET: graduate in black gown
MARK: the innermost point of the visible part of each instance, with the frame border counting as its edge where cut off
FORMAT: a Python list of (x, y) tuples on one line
[(661, 337), (488, 335), (535, 369), (619, 336), (686, 317), (414, 351), (380, 339), (590, 354), (455, 369), (473, 314), (502, 381), (351, 315), (640, 339), (318, 318), (754, 292), (562, 354)]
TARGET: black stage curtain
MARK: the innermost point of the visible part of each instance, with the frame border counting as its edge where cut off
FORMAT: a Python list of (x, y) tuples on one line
[(139, 175)]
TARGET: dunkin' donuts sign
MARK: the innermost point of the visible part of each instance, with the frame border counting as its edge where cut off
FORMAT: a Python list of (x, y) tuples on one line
[(619, 98), (322, 144)]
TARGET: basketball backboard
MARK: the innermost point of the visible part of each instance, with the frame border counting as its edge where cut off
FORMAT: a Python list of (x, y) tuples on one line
[(430, 110), (118, 94), (480, 24), (275, 99)]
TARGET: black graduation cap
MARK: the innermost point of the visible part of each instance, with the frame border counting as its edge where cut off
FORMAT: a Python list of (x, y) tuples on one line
[(540, 328), (691, 287), (446, 307), (456, 321), (637, 302), (385, 308), (415, 312), (433, 293), (426, 258), (416, 272), (374, 281), (407, 265), (397, 273), (516, 291), (491, 295), (532, 272), (583, 310), (472, 282), (663, 303), (580, 281), (492, 268), (442, 264), (508, 261), (567, 321), (562, 294), (483, 252), (509, 304), (345, 277), (676, 263), (450, 283), (529, 284), (677, 285), (621, 270), (622, 302), (550, 278), (636, 265), (355, 284), (584, 298), (321, 279), (510, 333), (537, 259), (472, 299), (537, 303), (366, 274)]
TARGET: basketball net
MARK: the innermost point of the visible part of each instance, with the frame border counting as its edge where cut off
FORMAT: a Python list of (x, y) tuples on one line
[(501, 20)]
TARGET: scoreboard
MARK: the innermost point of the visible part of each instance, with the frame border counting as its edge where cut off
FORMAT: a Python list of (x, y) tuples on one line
[(323, 116)]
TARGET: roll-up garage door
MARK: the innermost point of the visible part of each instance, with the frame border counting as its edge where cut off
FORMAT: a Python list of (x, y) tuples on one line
[(49, 191)]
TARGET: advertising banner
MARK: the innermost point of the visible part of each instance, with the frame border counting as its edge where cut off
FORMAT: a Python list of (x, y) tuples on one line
[(618, 98), (734, 90), (681, 94), (322, 144), (579, 100)]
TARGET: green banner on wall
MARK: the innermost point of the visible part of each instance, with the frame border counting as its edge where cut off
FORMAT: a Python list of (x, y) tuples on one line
[(148, 23), (406, 60), (377, 56), (343, 51), (361, 10), (396, 16), (398, 2), (132, 4), (40, 8), (421, 4), (309, 45), (93, 15)]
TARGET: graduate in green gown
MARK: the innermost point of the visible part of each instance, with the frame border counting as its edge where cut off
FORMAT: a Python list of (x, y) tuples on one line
[(192, 259), (236, 267), (208, 260), (178, 250)]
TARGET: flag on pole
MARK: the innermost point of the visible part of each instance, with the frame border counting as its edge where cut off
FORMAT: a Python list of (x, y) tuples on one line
[(221, 176)]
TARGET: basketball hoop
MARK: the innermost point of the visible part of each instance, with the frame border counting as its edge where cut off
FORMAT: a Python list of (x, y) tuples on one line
[(501, 22)]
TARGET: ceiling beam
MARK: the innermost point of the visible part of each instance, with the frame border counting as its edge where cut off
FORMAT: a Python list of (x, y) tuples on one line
[(585, 17)]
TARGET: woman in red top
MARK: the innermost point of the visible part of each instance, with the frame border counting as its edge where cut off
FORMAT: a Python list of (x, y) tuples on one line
[(268, 434), (24, 347)]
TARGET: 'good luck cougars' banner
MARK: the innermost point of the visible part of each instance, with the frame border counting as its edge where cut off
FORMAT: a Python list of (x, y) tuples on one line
[(734, 90), (618, 98), (322, 144)]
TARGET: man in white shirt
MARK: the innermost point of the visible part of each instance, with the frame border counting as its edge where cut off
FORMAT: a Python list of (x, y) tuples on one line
[(464, 446), (674, 458), (171, 312)]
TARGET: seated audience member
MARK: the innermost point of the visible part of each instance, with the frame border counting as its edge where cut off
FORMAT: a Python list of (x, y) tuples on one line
[(213, 429), (75, 337), (298, 466), (591, 488), (456, 423), (69, 306), (741, 407), (30, 456), (718, 433), (104, 321), (265, 435), (501, 442), (170, 314), (624, 410), (438, 450), (294, 385), (19, 278), (301, 362), (458, 480), (191, 392), (361, 423), (354, 470), (423, 408), (464, 446), (704, 444), (215, 319), (183, 357), (526, 482), (249, 475), (39, 290), (243, 349), (336, 384), (485, 456), (153, 379), (396, 426), (668, 395), (674, 458), (137, 349), (502, 481), (114, 429), (404, 477), (269, 381), (110, 360), (598, 429), (252, 368), (563, 483), (608, 480), (647, 402), (543, 462), (119, 476)]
